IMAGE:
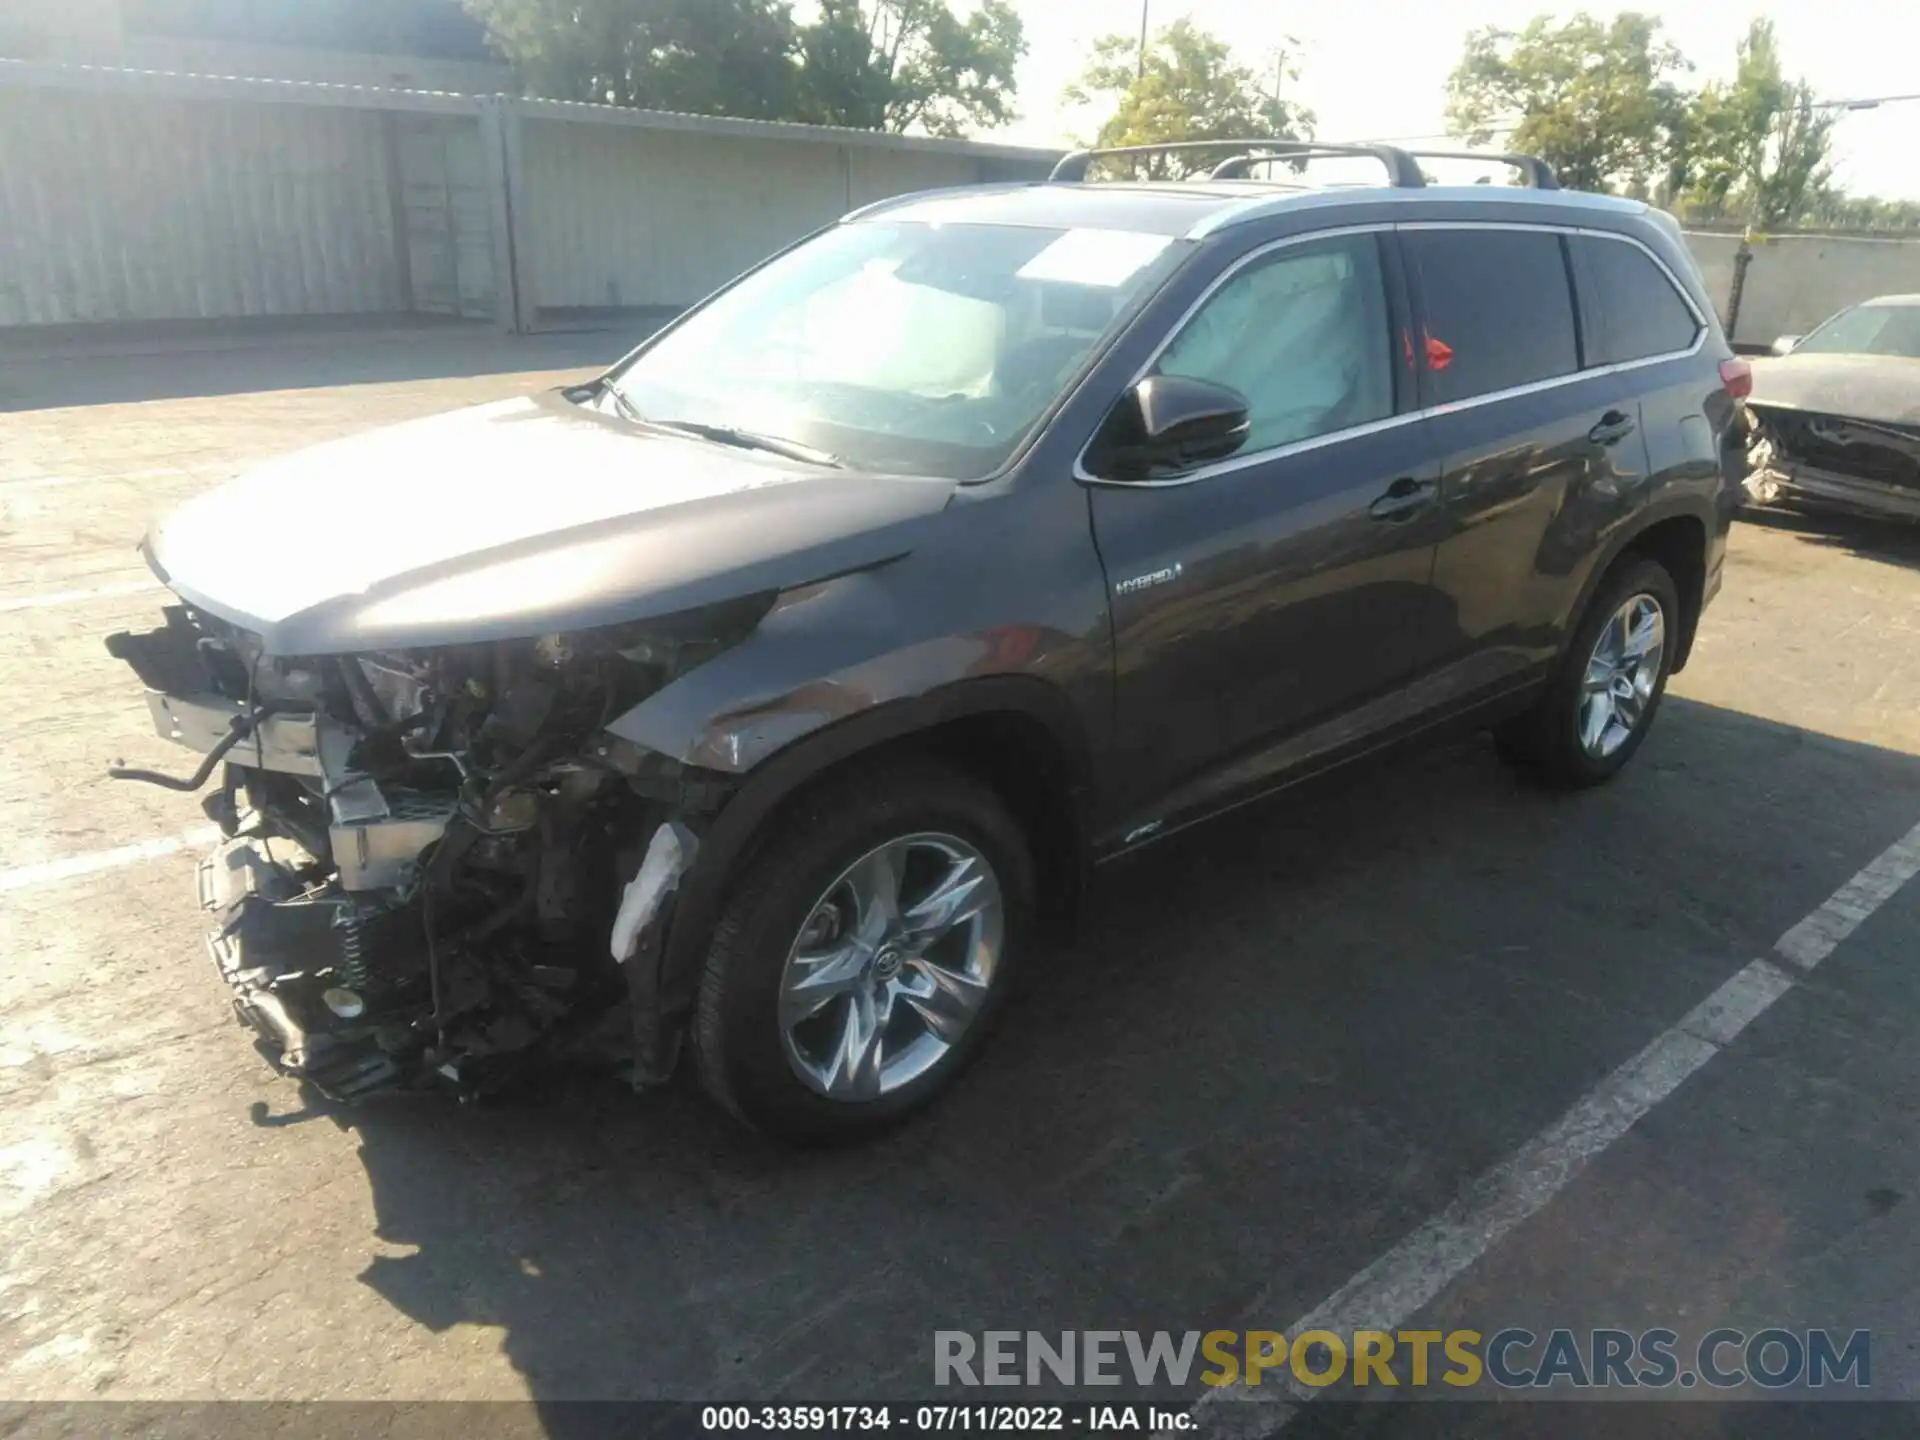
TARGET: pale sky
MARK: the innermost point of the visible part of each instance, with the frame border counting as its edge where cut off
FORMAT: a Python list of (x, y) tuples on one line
[(1378, 68)]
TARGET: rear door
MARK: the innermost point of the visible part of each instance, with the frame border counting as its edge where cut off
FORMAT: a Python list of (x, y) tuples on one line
[(1539, 457), (1256, 596), (1637, 319)]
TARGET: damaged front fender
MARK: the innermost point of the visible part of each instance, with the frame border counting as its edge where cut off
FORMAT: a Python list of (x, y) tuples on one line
[(822, 655)]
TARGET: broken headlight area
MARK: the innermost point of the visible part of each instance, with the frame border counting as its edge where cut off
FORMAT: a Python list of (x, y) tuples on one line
[(428, 849), (1867, 466)]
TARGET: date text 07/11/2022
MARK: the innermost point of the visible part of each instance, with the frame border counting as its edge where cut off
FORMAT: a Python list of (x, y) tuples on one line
[(1090, 1419)]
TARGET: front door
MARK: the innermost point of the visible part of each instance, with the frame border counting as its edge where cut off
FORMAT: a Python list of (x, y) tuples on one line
[(1261, 596)]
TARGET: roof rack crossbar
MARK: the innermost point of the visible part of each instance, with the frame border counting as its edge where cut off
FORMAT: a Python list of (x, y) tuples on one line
[(1402, 169), (1240, 167), (1539, 173)]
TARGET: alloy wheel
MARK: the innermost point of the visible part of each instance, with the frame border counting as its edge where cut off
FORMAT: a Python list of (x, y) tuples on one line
[(1621, 675), (891, 966)]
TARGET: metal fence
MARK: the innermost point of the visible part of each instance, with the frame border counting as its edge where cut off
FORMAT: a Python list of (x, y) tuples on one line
[(139, 196)]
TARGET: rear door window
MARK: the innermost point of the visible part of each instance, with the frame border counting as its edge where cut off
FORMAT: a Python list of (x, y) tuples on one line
[(1637, 312), (1499, 309)]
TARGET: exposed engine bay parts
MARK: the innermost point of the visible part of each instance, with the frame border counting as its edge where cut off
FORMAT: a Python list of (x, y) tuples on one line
[(428, 850)]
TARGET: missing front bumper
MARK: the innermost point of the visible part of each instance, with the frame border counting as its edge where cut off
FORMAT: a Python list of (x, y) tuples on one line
[(284, 946), (375, 833)]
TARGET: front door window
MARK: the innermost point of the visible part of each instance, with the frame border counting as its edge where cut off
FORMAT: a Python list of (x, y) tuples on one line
[(1302, 334)]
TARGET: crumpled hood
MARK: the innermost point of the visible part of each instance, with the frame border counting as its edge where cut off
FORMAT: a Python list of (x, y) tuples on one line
[(1884, 388), (513, 519)]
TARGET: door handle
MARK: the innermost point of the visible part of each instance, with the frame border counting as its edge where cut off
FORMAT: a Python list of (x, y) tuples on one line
[(1405, 496), (1614, 427)]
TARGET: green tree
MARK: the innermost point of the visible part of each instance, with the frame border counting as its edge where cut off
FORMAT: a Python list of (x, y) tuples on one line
[(1757, 148), (1832, 207), (904, 64), (1189, 88), (710, 57), (1596, 99), (872, 64)]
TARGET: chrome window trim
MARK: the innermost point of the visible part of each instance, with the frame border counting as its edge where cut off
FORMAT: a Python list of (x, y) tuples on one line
[(1240, 462), (1254, 457), (1262, 207), (1640, 245), (1373, 427)]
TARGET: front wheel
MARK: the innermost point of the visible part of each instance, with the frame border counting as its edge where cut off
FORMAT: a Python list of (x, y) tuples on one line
[(861, 960), (1599, 706)]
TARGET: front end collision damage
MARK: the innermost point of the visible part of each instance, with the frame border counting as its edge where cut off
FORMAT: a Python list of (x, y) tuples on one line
[(431, 822), (427, 849), (449, 859), (1860, 466)]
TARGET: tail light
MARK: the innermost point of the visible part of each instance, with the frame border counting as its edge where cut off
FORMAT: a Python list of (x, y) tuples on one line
[(1737, 376)]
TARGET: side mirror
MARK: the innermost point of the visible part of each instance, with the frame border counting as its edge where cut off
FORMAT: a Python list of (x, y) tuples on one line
[(1784, 345), (1169, 423)]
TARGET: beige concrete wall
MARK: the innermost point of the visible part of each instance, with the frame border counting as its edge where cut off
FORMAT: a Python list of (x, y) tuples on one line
[(144, 196), (615, 215), (129, 208), (1796, 281)]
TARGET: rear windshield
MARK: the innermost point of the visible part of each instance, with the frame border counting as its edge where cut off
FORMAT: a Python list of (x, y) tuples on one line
[(1867, 330), (917, 348)]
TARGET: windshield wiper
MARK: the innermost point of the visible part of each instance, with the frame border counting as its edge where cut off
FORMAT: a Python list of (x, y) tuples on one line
[(748, 440), (621, 403), (723, 434)]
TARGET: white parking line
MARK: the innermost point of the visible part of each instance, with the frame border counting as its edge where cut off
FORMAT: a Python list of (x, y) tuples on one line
[(1387, 1293), (1813, 939), (76, 597), (49, 871)]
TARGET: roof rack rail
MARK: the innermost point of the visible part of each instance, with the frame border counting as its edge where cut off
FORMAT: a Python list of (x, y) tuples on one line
[(1539, 173), (1239, 167), (1402, 169)]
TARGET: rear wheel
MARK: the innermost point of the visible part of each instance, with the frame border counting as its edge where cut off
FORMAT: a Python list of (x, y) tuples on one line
[(1599, 706), (861, 960)]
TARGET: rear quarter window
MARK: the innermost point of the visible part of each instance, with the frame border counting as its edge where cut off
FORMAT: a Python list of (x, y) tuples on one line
[(1637, 312), (1499, 309)]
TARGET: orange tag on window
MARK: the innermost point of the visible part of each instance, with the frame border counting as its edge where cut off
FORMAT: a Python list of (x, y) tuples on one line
[(1439, 354)]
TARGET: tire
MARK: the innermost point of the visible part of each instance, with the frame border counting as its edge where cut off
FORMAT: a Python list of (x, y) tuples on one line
[(1547, 740), (920, 817)]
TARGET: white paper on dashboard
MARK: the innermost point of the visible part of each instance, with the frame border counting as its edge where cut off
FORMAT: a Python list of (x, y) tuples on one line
[(1095, 257)]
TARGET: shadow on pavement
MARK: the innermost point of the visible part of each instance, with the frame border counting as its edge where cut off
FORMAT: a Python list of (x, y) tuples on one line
[(1283, 1041), (54, 371), (1894, 542)]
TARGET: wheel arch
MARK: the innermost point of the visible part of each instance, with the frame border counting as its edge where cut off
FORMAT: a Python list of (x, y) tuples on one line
[(1678, 537), (1018, 734)]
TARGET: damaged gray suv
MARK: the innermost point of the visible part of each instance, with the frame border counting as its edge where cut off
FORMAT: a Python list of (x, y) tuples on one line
[(767, 698)]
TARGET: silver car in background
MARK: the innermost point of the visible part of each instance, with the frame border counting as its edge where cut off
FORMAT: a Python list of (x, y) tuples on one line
[(1836, 414)]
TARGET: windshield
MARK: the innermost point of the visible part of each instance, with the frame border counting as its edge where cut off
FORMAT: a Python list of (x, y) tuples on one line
[(925, 349), (1867, 330)]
